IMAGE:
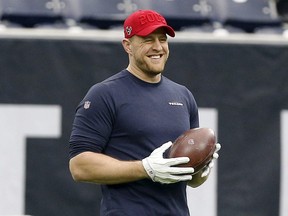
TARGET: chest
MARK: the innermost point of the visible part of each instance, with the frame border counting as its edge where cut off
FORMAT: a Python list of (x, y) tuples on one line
[(152, 114)]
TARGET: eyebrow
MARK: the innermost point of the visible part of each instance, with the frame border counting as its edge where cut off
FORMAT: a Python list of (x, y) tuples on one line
[(160, 35)]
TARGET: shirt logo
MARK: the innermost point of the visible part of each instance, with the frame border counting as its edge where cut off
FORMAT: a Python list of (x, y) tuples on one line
[(175, 104), (87, 104)]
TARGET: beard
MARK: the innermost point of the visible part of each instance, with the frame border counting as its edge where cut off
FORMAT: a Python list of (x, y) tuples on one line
[(149, 68)]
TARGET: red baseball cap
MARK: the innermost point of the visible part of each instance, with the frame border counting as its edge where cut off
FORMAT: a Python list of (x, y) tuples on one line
[(144, 22)]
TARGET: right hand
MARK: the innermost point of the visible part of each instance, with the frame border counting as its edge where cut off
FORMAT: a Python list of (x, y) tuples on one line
[(161, 169)]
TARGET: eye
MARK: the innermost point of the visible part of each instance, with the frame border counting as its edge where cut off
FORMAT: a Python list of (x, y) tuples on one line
[(163, 39), (148, 40)]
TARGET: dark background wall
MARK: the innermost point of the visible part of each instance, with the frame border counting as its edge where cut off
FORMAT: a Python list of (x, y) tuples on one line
[(247, 83)]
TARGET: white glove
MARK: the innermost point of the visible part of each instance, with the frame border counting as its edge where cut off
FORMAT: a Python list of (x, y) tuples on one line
[(208, 167), (161, 169)]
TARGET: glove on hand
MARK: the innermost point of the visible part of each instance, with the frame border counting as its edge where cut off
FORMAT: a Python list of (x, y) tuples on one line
[(208, 167), (161, 169)]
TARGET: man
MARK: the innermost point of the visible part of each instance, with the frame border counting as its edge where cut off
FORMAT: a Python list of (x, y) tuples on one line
[(121, 124)]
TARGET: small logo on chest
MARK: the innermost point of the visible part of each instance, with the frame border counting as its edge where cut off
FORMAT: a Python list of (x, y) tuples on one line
[(175, 104)]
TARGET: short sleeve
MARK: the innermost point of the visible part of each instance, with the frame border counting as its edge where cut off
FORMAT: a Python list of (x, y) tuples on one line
[(93, 121)]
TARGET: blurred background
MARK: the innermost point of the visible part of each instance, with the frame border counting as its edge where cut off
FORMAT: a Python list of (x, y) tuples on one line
[(232, 54)]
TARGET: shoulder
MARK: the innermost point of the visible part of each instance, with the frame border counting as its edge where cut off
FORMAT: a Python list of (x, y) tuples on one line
[(122, 75), (109, 84), (175, 86), (168, 81)]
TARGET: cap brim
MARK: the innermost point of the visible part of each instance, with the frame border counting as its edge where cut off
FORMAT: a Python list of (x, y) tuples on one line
[(169, 30)]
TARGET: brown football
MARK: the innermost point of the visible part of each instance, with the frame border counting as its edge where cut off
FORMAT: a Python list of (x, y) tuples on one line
[(198, 144)]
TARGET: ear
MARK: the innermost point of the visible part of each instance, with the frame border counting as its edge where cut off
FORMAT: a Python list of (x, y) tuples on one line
[(126, 43)]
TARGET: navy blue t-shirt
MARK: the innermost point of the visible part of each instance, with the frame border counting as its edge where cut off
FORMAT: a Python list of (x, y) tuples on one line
[(127, 118)]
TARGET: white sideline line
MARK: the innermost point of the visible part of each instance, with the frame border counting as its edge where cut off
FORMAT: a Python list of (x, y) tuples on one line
[(76, 33)]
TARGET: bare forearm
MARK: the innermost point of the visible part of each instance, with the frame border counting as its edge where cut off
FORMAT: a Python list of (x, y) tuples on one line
[(101, 169)]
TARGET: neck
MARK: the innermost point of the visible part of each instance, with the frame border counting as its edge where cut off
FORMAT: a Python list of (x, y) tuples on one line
[(146, 77)]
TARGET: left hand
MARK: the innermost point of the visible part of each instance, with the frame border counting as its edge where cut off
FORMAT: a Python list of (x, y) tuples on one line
[(163, 170), (207, 169)]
